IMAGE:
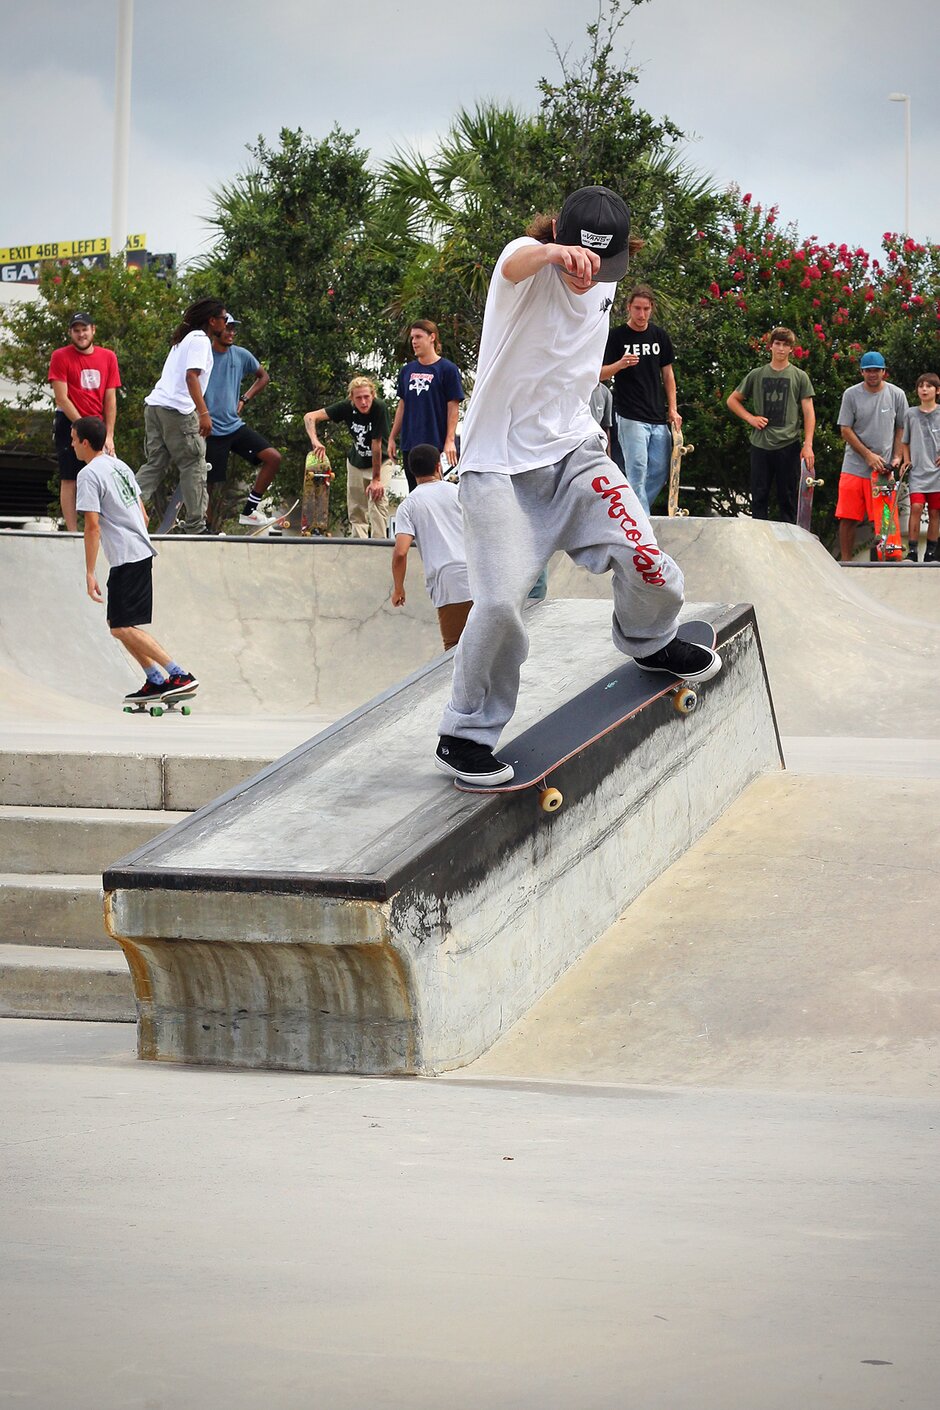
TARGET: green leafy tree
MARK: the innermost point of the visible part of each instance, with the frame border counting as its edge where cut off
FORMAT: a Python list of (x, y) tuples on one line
[(293, 262)]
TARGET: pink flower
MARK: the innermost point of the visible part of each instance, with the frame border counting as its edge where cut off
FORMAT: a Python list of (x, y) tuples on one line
[(746, 200), (917, 300), (714, 290)]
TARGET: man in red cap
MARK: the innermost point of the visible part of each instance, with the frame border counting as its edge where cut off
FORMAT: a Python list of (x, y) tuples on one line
[(535, 477)]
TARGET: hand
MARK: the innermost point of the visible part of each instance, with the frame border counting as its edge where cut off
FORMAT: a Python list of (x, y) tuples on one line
[(109, 445), (579, 264), (392, 448), (809, 459), (875, 462), (375, 490), (398, 598), (92, 588), (450, 451), (205, 425), (758, 422), (628, 360), (675, 420), (319, 450)]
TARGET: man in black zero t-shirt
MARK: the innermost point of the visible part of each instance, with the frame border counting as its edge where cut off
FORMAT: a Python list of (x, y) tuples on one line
[(368, 468), (639, 357)]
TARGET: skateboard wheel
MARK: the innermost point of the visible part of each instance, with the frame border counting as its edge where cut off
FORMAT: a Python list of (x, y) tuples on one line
[(550, 800), (685, 701), (185, 710), (156, 710), (128, 709)]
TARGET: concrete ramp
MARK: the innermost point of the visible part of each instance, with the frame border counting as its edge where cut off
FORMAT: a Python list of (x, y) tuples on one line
[(349, 910)]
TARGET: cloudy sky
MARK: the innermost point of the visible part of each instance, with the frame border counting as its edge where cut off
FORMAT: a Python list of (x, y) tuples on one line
[(790, 101)]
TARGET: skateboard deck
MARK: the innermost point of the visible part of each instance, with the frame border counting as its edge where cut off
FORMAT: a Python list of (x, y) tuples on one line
[(280, 522), (804, 507), (580, 722), (171, 513), (884, 507), (161, 707), (315, 500), (679, 449)]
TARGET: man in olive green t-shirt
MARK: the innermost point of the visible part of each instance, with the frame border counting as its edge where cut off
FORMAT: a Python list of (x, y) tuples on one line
[(781, 394)]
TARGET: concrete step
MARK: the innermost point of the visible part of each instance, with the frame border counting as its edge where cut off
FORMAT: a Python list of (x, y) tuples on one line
[(52, 909), (39, 778), (76, 839), (40, 982)]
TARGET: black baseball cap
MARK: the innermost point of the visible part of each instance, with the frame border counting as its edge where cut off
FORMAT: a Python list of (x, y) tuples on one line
[(81, 318), (598, 219)]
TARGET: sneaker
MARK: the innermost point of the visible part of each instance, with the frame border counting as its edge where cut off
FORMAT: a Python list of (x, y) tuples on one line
[(148, 691), (182, 684), (684, 660), (256, 520), (932, 552), (469, 761), (912, 555)]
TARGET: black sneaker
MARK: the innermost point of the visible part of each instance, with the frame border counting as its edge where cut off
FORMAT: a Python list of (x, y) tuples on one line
[(148, 691), (912, 555), (182, 684), (684, 660), (469, 761), (932, 552)]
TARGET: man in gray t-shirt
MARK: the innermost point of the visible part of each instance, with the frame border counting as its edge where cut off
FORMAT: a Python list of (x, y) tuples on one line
[(871, 419)]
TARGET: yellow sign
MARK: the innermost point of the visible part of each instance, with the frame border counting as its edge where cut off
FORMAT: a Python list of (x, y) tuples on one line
[(66, 249)]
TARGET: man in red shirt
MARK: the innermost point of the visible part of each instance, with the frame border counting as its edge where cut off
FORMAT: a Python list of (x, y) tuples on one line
[(84, 381)]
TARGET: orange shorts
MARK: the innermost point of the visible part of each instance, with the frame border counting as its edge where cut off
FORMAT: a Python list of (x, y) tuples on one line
[(854, 498)]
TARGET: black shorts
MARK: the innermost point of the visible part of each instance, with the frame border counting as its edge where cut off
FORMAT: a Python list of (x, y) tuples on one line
[(69, 463), (245, 442), (130, 594)]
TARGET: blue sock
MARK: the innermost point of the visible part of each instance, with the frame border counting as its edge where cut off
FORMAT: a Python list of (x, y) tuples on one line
[(173, 670), (155, 676)]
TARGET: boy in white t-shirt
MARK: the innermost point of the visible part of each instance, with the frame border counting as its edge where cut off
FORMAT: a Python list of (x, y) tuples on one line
[(430, 517), (115, 520), (535, 477)]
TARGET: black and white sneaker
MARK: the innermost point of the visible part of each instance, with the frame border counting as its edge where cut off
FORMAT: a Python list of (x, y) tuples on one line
[(469, 761), (147, 692), (182, 684), (684, 660)]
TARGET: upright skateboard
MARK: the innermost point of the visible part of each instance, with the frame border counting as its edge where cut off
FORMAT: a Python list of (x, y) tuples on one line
[(315, 500), (679, 449), (804, 508), (884, 513), (171, 513), (581, 722)]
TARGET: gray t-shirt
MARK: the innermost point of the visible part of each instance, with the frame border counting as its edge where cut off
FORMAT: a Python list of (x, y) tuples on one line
[(602, 406), (922, 434), (107, 487), (874, 417), (431, 514)]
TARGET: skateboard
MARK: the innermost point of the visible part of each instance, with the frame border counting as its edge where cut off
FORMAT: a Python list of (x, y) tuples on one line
[(171, 513), (884, 512), (161, 707), (279, 523), (679, 449), (315, 503), (804, 508), (580, 722)]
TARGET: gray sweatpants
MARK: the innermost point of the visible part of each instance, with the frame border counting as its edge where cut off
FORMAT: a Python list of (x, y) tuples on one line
[(172, 438), (512, 526)]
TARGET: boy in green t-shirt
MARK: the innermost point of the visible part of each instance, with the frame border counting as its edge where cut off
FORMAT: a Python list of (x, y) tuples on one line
[(781, 394)]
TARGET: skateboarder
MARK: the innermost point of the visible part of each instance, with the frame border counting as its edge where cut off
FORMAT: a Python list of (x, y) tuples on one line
[(920, 449), (115, 519), (230, 366), (535, 477), (85, 379), (871, 419), (780, 394), (430, 517)]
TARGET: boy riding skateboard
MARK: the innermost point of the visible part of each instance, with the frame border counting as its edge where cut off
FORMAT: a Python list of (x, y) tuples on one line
[(109, 497), (536, 477)]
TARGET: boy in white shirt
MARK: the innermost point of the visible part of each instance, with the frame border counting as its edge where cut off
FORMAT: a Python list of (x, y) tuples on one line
[(535, 477), (430, 516), (115, 519)]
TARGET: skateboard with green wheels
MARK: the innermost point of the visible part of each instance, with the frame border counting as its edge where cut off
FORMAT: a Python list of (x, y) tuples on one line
[(161, 707)]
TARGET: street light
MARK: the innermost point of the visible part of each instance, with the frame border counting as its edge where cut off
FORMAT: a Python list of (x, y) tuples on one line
[(906, 100), (122, 126)]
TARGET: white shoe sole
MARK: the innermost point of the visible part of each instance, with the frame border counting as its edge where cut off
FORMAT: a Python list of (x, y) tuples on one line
[(501, 775), (705, 674)]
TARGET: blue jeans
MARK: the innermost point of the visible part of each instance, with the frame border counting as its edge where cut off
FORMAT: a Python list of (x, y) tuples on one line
[(646, 451)]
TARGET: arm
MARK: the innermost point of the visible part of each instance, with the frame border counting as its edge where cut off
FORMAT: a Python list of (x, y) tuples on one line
[(195, 391), (258, 385), (396, 427), (577, 262), (110, 416), (669, 387), (809, 430), (311, 421), (873, 461), (450, 443), (399, 565), (62, 401), (376, 489), (897, 455), (92, 544), (736, 405)]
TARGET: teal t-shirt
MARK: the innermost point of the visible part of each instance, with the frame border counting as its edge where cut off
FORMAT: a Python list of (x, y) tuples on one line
[(776, 395), (223, 390)]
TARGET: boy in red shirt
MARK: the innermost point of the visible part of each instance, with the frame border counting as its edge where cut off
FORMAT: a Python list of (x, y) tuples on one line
[(84, 381)]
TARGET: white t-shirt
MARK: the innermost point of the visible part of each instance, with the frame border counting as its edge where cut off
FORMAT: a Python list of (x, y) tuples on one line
[(195, 351), (431, 514), (107, 487), (540, 357)]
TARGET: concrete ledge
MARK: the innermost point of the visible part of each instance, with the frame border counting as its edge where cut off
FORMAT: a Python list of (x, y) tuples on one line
[(38, 982), (293, 926)]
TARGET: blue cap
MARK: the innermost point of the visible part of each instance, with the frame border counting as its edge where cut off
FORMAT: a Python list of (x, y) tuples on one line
[(871, 359)]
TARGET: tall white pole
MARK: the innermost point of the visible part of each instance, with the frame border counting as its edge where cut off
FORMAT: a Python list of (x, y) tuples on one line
[(905, 98), (122, 125)]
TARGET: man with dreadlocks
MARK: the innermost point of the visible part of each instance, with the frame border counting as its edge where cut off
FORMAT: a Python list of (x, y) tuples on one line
[(176, 420)]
